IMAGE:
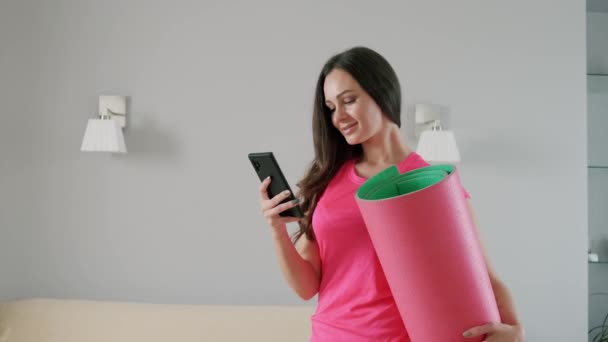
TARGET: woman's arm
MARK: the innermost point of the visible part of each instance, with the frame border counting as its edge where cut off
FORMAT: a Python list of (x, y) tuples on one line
[(504, 300), (300, 264), (506, 305)]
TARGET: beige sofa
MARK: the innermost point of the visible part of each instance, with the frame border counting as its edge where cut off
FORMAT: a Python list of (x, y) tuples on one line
[(51, 320)]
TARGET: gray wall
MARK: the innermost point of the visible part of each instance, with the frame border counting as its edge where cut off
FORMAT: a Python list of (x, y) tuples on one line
[(597, 106), (177, 221), (17, 120), (597, 6), (597, 43)]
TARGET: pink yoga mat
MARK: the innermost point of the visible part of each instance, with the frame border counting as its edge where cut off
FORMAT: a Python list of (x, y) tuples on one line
[(424, 235)]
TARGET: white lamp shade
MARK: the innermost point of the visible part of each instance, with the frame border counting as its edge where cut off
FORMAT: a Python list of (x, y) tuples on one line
[(438, 147), (103, 136)]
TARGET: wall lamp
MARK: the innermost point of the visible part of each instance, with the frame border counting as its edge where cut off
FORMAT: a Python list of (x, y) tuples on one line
[(435, 145), (105, 133)]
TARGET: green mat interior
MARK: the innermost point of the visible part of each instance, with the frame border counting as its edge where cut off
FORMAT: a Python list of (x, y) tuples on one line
[(390, 183)]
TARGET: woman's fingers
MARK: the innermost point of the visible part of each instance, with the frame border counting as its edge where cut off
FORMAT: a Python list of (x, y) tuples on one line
[(264, 188), (272, 207), (273, 217), (283, 206), (481, 330), (275, 201)]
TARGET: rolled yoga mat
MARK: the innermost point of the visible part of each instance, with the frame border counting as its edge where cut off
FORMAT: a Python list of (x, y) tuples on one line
[(422, 230)]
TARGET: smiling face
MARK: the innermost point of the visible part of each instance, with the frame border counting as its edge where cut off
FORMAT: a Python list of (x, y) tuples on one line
[(353, 112)]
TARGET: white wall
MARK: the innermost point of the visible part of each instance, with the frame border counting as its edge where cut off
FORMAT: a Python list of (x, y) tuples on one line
[(176, 220)]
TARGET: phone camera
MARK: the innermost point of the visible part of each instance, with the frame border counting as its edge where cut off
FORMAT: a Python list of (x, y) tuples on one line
[(256, 165)]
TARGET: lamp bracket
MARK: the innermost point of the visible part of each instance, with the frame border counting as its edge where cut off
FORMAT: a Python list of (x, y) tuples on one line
[(113, 107), (427, 118)]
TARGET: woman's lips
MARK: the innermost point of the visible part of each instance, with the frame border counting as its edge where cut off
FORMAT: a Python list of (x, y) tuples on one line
[(349, 128)]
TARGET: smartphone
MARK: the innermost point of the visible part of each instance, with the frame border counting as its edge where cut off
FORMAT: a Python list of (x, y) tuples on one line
[(266, 165)]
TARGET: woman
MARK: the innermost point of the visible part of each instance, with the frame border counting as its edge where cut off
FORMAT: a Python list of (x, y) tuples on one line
[(356, 122)]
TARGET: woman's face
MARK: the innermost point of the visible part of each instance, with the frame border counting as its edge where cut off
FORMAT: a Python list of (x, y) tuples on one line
[(353, 112)]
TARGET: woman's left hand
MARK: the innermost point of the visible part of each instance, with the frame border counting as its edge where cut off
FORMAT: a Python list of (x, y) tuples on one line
[(497, 332)]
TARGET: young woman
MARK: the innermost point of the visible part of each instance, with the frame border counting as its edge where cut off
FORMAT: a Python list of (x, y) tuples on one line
[(356, 122)]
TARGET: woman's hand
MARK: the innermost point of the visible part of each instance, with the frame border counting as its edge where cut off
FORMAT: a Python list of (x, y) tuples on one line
[(271, 207), (497, 332)]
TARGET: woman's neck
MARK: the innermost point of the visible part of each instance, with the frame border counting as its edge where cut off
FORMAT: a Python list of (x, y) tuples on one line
[(385, 148)]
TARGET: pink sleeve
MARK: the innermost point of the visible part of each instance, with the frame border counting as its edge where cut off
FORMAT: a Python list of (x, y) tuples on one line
[(466, 193)]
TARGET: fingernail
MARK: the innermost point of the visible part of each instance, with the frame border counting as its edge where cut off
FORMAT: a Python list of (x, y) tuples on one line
[(466, 334), (286, 192), (295, 201)]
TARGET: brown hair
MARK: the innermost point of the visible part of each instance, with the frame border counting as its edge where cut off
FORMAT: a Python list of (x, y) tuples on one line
[(376, 77)]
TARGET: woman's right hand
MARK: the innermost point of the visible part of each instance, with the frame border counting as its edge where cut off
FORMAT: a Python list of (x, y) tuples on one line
[(271, 207), (300, 262)]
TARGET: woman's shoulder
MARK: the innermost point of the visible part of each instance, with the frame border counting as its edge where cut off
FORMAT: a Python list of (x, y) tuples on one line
[(412, 161)]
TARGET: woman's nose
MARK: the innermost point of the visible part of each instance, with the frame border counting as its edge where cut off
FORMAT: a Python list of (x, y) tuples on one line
[(339, 112)]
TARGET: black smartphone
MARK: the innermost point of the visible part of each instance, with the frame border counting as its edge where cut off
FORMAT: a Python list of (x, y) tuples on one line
[(266, 165)]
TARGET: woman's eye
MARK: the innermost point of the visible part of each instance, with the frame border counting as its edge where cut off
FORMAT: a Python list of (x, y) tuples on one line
[(349, 101)]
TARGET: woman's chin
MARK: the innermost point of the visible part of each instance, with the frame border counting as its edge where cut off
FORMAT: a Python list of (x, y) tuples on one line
[(352, 140)]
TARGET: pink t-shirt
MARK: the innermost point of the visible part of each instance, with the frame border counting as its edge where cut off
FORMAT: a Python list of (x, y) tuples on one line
[(354, 300)]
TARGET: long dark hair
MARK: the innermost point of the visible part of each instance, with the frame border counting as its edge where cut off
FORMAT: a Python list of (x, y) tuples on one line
[(376, 77)]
